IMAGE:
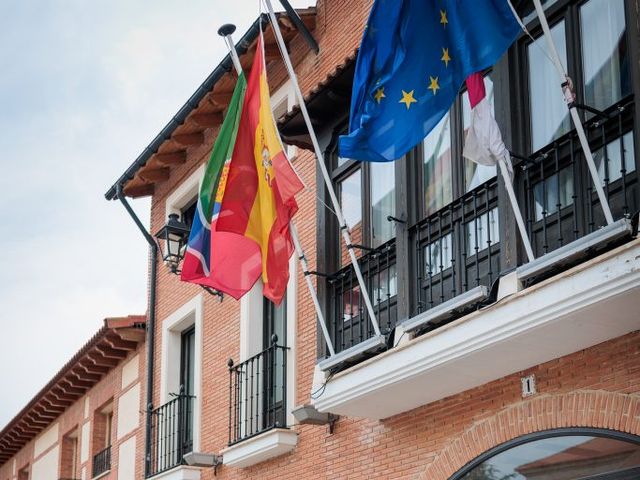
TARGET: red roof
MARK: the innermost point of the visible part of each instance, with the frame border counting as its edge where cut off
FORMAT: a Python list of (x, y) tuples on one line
[(94, 360)]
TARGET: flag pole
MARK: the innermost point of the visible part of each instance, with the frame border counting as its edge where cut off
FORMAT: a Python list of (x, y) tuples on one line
[(312, 290), (569, 98), (226, 31), (325, 174), (502, 165)]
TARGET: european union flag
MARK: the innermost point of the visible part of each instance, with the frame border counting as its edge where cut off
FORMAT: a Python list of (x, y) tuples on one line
[(413, 59)]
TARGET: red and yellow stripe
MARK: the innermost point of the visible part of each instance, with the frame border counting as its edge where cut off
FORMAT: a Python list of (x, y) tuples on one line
[(259, 199)]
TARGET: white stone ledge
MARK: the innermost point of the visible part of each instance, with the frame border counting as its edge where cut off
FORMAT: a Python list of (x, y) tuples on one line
[(251, 451), (586, 305)]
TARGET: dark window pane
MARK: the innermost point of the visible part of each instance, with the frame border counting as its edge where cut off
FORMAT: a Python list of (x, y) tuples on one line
[(612, 166), (351, 203), (546, 195), (437, 167), (482, 232), (385, 285), (475, 174), (438, 255), (605, 56), (549, 114), (559, 458), (383, 202)]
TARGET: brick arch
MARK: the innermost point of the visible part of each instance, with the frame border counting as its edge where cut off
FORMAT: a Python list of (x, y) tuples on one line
[(581, 408)]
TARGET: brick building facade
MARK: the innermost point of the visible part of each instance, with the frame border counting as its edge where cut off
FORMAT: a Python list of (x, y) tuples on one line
[(487, 365), (85, 423)]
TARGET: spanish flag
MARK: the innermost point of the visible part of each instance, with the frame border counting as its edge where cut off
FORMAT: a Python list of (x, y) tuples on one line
[(259, 198)]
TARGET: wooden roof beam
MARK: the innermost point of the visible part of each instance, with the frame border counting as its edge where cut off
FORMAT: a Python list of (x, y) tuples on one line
[(220, 99), (111, 352), (56, 402), (82, 374), (71, 388), (98, 359), (77, 382), (91, 367), (120, 344), (172, 158), (188, 139), (34, 419), (207, 120), (154, 174), (26, 428), (58, 392), (139, 190)]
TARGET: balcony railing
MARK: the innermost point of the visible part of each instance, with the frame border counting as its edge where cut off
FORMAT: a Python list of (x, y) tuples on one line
[(258, 393), (561, 203), (171, 434), (352, 324), (101, 462), (458, 248)]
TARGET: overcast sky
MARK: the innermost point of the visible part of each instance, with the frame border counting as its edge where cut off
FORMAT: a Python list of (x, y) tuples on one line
[(84, 87)]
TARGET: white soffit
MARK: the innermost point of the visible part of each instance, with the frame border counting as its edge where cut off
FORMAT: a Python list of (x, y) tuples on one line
[(270, 444), (589, 304)]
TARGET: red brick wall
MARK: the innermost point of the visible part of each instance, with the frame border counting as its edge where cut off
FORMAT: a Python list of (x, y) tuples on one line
[(430, 442)]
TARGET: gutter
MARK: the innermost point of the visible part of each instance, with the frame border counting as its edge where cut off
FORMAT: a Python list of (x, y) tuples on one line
[(151, 323), (223, 67)]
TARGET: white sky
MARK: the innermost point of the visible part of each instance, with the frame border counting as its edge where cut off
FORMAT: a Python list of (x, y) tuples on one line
[(84, 87)]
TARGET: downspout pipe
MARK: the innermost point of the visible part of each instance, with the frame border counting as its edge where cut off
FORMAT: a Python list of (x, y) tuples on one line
[(150, 324)]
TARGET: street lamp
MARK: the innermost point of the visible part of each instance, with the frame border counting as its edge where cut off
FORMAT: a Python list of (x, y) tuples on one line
[(175, 235)]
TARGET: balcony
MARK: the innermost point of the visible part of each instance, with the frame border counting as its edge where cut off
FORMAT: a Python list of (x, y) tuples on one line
[(101, 462), (258, 409), (171, 435), (472, 302)]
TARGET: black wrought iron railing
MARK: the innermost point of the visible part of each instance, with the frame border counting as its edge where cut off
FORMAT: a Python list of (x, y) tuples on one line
[(351, 323), (258, 393), (101, 462), (171, 434), (561, 202), (456, 248), (459, 247)]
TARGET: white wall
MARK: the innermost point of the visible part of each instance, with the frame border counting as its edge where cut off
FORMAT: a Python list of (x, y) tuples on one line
[(128, 411), (46, 439), (127, 459), (46, 468), (130, 371), (84, 442)]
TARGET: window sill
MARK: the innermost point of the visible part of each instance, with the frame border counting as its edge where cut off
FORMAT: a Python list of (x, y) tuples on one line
[(181, 472), (103, 474), (270, 444)]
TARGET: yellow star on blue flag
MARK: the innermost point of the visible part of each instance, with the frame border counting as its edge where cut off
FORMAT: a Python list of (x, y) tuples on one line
[(431, 46)]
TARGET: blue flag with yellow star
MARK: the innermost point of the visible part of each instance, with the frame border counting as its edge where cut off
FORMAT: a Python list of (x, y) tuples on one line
[(413, 58)]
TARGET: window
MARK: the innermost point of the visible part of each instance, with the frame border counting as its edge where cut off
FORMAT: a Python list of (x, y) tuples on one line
[(188, 213), (549, 114), (366, 191), (102, 437), (23, 474), (605, 58), (599, 42), (69, 455), (590, 454), (436, 167)]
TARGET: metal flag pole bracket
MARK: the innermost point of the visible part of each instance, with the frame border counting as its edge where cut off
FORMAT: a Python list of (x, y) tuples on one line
[(325, 174), (226, 31)]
